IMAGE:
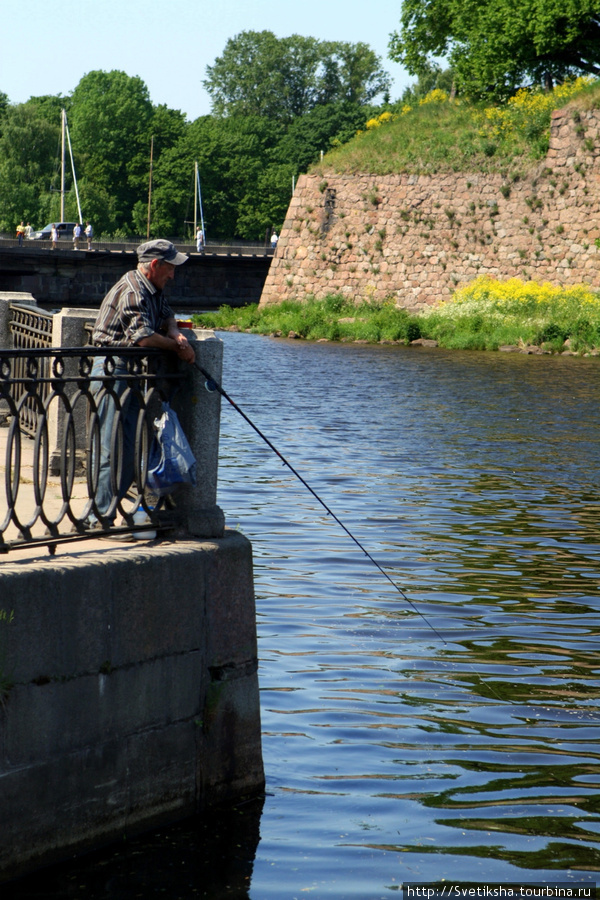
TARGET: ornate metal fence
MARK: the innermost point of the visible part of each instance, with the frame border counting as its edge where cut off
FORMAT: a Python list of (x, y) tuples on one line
[(56, 385), (29, 328)]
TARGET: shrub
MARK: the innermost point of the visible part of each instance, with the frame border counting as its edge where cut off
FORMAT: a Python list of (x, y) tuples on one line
[(413, 331), (480, 316)]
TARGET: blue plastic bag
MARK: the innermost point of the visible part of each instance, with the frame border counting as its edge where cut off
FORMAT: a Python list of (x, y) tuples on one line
[(170, 461)]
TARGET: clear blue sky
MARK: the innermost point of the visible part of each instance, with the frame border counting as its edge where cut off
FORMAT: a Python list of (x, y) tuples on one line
[(48, 45)]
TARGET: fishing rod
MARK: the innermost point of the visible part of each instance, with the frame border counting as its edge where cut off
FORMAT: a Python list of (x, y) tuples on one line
[(213, 385)]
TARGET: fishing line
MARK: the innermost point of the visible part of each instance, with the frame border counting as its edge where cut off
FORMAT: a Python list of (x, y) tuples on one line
[(212, 385)]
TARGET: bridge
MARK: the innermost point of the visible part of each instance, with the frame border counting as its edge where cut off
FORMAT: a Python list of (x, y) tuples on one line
[(221, 274)]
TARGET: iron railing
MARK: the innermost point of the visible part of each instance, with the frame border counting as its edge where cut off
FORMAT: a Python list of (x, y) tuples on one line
[(56, 383), (213, 248), (29, 328)]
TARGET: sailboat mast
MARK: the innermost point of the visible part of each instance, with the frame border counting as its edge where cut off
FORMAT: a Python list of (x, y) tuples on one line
[(62, 166), (150, 187), (72, 170), (199, 189), (195, 198)]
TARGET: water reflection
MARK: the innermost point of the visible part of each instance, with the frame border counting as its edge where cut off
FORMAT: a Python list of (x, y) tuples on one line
[(209, 856), (473, 479), (397, 751)]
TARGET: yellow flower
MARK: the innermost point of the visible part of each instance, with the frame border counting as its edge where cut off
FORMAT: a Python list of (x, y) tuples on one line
[(518, 297), (435, 96), (530, 105)]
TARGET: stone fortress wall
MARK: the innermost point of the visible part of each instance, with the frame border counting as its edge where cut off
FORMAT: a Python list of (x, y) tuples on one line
[(415, 238)]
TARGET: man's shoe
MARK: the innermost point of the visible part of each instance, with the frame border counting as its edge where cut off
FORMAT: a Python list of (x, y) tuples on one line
[(121, 536)]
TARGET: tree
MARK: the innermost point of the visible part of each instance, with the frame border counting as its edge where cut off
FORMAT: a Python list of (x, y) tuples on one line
[(4, 106), (266, 204), (262, 75), (49, 107), (232, 155), (319, 130), (166, 128), (434, 79), (351, 73), (110, 123), (28, 158), (495, 46)]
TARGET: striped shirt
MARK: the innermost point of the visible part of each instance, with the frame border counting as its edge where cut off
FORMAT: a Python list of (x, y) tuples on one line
[(132, 310)]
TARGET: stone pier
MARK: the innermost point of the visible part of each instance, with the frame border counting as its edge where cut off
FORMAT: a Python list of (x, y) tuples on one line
[(128, 673)]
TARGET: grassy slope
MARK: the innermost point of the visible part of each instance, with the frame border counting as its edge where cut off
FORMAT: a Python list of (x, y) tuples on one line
[(481, 318), (454, 137)]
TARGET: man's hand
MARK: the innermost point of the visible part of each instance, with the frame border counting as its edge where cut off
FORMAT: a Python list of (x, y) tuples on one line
[(184, 349), (174, 340)]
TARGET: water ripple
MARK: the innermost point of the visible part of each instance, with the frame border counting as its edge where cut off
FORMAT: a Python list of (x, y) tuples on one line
[(472, 479)]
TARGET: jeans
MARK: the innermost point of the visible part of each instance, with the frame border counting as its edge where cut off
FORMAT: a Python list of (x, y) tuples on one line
[(125, 449)]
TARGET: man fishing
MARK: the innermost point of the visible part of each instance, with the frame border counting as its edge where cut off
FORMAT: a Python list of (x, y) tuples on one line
[(134, 313)]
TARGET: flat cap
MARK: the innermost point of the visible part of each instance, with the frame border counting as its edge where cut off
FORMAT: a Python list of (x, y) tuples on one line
[(162, 250)]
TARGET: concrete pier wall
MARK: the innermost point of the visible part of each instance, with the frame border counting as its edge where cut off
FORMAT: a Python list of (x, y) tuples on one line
[(128, 672), (130, 692), (81, 278)]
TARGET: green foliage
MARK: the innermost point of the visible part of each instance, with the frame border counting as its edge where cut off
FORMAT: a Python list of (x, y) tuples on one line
[(441, 135), (110, 123), (265, 202), (259, 74), (281, 103), (495, 46), (488, 313), (242, 195), (323, 128), (248, 162), (551, 332), (28, 145), (483, 316), (247, 165), (335, 318), (428, 139), (431, 78)]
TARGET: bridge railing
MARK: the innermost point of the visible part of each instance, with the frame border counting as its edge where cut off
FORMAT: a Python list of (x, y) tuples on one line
[(211, 248), (29, 327)]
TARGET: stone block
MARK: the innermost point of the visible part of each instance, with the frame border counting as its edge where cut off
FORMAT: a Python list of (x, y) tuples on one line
[(49, 720), (127, 694), (228, 763), (75, 802)]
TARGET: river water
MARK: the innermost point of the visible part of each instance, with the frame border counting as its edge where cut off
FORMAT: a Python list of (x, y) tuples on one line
[(446, 729)]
